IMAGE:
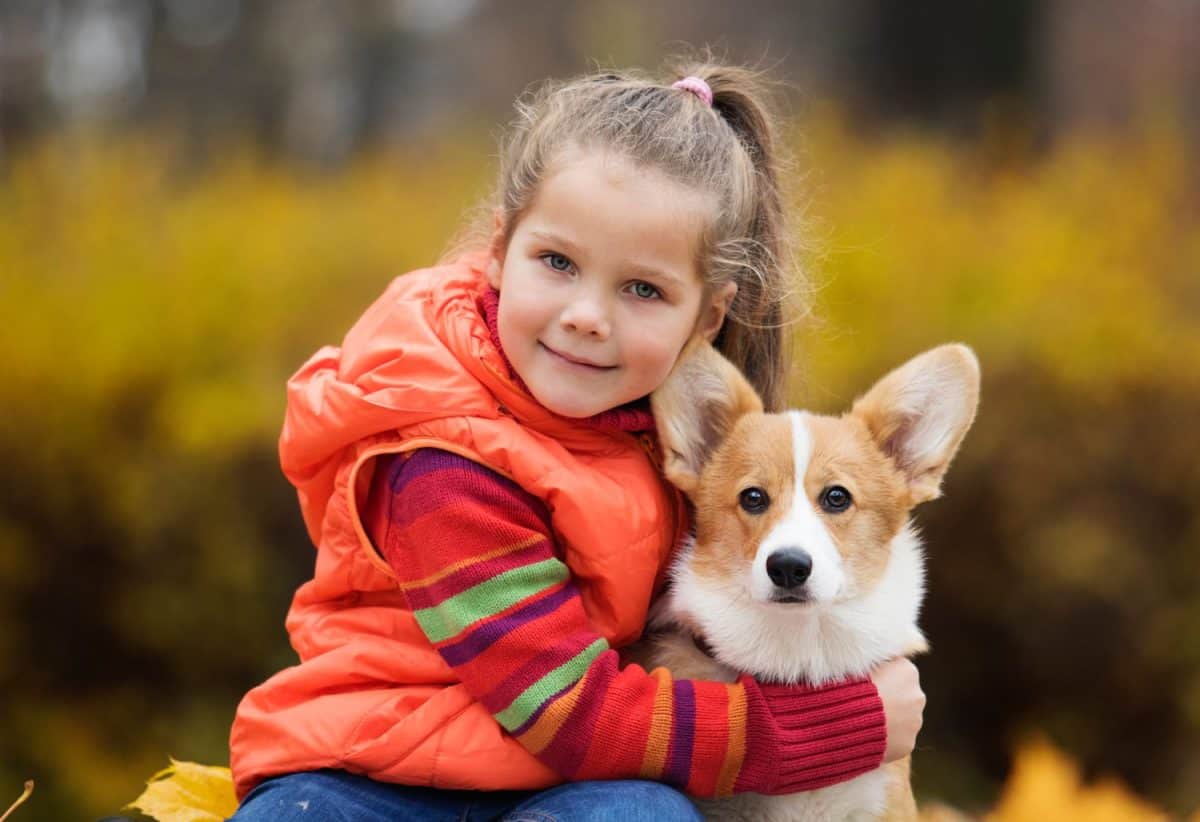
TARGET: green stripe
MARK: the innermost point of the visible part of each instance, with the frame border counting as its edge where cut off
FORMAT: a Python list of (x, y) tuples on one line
[(566, 674), (450, 617)]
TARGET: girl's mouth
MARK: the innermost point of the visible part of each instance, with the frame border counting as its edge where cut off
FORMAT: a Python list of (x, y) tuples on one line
[(576, 361)]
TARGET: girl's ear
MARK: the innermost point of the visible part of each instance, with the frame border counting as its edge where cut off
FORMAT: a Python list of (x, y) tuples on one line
[(696, 408), (712, 313), (495, 264)]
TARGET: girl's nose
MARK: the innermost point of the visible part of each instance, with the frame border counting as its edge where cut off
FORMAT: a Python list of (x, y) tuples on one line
[(586, 315)]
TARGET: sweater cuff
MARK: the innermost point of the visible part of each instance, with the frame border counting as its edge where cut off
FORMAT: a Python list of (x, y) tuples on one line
[(801, 738)]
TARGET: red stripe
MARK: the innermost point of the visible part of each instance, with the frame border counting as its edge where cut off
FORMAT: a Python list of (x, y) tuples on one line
[(570, 745), (623, 720), (494, 632), (712, 737)]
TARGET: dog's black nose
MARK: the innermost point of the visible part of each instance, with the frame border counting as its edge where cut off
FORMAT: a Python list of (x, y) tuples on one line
[(789, 567)]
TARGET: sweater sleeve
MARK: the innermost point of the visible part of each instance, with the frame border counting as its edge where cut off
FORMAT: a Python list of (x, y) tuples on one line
[(477, 561)]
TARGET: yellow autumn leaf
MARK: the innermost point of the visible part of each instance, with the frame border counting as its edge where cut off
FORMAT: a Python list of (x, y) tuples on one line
[(1045, 784), (188, 792)]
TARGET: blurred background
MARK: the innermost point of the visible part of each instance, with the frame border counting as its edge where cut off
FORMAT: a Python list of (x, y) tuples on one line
[(196, 194)]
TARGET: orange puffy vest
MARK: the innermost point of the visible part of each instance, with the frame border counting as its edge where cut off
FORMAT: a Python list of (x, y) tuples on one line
[(370, 694)]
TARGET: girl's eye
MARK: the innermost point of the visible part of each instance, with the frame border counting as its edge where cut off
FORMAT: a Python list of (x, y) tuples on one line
[(557, 261), (835, 499), (645, 291)]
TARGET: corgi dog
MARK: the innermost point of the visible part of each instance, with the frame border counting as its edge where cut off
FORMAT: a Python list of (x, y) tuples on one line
[(804, 566)]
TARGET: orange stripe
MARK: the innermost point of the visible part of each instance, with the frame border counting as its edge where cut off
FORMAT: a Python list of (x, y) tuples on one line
[(735, 752), (659, 739), (458, 566), (542, 732)]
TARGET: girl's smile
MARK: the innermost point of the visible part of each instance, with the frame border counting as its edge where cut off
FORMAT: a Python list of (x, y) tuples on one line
[(578, 362), (599, 287)]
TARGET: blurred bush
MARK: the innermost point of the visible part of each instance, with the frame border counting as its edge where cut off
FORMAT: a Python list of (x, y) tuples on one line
[(150, 315)]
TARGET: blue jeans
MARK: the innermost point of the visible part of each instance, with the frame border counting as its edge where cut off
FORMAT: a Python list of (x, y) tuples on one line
[(337, 796)]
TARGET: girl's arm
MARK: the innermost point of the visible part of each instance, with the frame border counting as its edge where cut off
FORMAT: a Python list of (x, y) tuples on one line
[(476, 559)]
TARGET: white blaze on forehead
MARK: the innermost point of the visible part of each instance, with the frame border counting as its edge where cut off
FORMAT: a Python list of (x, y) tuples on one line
[(800, 527)]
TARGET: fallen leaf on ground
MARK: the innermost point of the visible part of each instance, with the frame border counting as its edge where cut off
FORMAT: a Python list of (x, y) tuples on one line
[(188, 792)]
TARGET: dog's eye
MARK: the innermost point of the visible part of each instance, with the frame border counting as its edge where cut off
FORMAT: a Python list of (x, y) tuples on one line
[(754, 500), (835, 499)]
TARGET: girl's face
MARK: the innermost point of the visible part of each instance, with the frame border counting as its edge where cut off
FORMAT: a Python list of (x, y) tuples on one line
[(599, 289)]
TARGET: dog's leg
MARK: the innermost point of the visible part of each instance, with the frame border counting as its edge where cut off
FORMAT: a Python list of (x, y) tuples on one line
[(901, 804)]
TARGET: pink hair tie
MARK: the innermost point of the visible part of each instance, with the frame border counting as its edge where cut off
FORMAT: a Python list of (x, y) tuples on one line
[(697, 87)]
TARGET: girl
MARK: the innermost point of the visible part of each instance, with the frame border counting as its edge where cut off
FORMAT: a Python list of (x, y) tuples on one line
[(477, 467)]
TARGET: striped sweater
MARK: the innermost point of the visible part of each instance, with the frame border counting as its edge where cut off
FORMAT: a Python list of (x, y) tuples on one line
[(478, 564)]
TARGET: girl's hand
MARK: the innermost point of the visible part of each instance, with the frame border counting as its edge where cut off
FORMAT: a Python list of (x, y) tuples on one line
[(899, 686)]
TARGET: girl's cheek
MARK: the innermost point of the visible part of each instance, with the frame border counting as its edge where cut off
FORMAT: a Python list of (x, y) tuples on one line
[(663, 360)]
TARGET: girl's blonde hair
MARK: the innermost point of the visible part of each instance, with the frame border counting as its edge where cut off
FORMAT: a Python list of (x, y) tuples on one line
[(731, 149)]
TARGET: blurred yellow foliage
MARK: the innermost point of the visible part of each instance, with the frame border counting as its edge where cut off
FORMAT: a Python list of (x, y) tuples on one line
[(119, 270), (1045, 784), (1086, 261)]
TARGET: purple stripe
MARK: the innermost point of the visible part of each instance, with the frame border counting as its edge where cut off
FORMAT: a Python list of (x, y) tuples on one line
[(426, 461), (480, 639), (683, 731)]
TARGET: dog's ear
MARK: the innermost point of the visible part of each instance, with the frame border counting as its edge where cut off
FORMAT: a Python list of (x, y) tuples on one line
[(695, 409), (919, 414)]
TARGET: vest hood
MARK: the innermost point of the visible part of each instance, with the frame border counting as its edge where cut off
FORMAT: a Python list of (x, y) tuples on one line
[(365, 387)]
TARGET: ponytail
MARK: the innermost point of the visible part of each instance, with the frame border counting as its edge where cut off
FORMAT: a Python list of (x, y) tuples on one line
[(756, 337)]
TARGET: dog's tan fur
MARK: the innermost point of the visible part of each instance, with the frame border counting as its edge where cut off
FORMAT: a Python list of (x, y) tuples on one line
[(889, 451)]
